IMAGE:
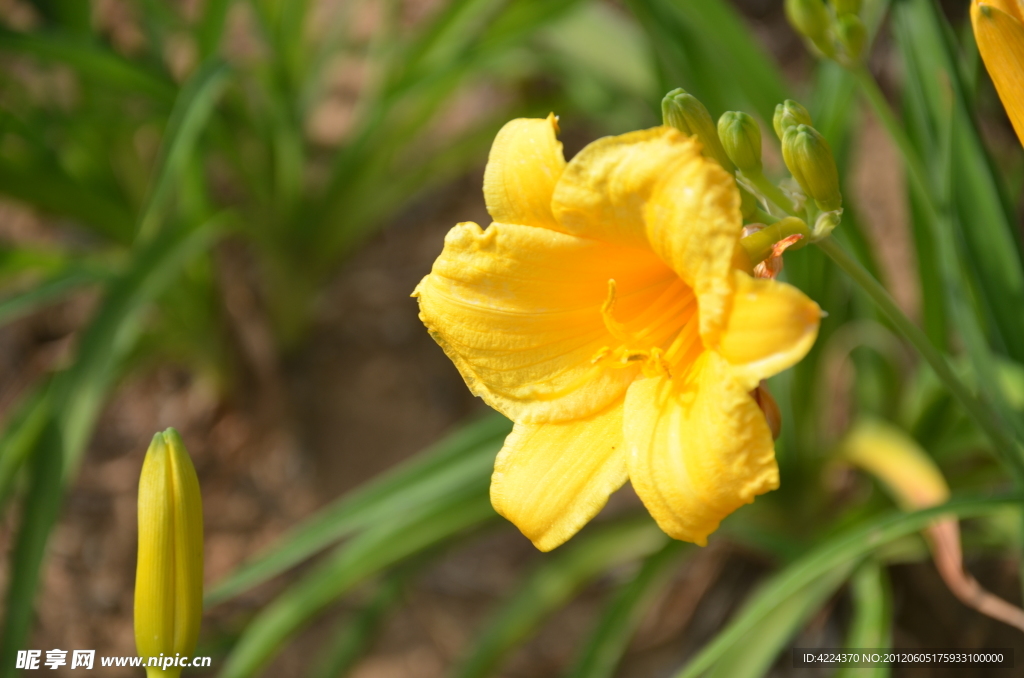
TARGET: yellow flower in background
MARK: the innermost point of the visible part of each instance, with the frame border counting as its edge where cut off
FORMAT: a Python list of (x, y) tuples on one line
[(999, 30), (169, 574), (604, 313)]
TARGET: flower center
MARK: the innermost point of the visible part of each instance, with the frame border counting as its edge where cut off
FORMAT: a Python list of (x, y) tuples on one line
[(659, 336)]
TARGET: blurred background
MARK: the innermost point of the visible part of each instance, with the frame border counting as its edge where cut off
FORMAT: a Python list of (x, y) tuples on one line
[(212, 215)]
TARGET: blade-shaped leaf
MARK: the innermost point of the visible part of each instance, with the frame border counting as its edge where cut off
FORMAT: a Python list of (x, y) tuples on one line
[(461, 459), (559, 578)]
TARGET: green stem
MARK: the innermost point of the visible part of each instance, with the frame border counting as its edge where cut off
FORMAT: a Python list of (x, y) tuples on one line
[(1004, 444), (915, 167), (938, 219), (771, 191)]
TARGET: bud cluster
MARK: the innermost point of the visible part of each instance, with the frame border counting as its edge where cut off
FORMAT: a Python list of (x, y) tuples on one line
[(735, 143), (835, 29)]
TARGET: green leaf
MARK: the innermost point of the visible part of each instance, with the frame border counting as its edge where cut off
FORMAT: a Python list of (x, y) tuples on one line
[(355, 634), (20, 439), (557, 580), (364, 556), (41, 509), (55, 192), (838, 551), (191, 111), (872, 617), (583, 35), (608, 642), (753, 655), (80, 391), (985, 225), (91, 61), (53, 288), (705, 47), (462, 459)]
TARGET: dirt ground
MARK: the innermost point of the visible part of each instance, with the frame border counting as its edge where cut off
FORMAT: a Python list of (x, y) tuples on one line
[(311, 426)]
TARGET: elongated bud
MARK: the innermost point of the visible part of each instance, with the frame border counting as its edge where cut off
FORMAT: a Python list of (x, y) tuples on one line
[(687, 114), (852, 34), (809, 17), (915, 482), (741, 139), (789, 114), (810, 161), (169, 574), (846, 6), (898, 461)]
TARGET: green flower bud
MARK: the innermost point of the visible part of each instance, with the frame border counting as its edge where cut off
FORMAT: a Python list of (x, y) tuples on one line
[(741, 138), (810, 161), (810, 18), (169, 573), (787, 115), (687, 114), (852, 35), (846, 6)]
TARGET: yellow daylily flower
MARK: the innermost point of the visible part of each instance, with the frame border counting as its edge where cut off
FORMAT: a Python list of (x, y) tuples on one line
[(603, 313), (999, 31), (169, 573)]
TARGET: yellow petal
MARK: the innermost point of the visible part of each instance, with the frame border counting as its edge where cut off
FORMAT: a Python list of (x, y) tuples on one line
[(699, 448), (518, 310), (551, 479), (1000, 37), (525, 163), (169, 575), (770, 326), (1012, 7), (653, 188)]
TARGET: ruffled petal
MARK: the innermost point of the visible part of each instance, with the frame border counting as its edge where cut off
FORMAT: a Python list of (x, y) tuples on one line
[(699, 448), (1000, 37), (518, 310), (526, 162), (551, 479), (653, 188), (770, 326)]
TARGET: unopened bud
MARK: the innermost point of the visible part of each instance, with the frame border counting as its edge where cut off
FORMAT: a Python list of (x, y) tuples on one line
[(810, 161), (789, 114), (846, 6), (741, 138), (687, 114), (809, 17), (852, 35), (169, 574)]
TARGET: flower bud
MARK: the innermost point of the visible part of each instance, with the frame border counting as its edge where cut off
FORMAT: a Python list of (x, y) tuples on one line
[(687, 114), (741, 139), (169, 574), (787, 115), (846, 6), (852, 35), (810, 161), (809, 18)]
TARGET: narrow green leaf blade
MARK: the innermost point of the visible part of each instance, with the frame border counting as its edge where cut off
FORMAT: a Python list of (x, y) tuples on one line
[(366, 555), (838, 551), (465, 457), (604, 649), (560, 577)]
